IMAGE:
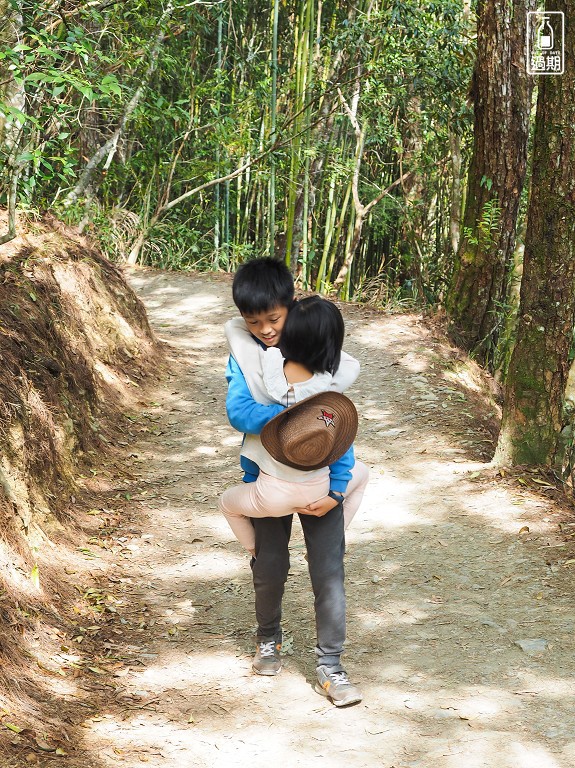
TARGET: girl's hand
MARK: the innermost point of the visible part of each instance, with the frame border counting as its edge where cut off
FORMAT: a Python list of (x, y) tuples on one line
[(319, 508)]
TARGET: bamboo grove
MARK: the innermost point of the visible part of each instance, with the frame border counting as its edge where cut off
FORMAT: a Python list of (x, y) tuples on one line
[(390, 151), (337, 130)]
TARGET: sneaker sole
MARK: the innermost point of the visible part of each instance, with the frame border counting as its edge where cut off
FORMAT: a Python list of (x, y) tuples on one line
[(267, 672), (342, 702)]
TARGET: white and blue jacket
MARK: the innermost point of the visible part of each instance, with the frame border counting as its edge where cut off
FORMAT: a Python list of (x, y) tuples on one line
[(249, 416)]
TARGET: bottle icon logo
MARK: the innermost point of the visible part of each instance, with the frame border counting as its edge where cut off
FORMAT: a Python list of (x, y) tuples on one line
[(545, 35)]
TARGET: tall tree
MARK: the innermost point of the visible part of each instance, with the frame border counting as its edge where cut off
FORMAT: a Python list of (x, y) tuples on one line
[(501, 92), (11, 111), (533, 415), (109, 147), (273, 125)]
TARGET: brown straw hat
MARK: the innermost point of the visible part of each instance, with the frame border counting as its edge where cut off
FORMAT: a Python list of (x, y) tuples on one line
[(312, 433)]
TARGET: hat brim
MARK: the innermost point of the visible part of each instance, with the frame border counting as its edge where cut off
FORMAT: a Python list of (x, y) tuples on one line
[(335, 409)]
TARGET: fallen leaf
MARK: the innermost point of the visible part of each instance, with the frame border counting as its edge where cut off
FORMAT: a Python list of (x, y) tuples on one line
[(44, 746), (97, 670), (12, 727), (35, 576)]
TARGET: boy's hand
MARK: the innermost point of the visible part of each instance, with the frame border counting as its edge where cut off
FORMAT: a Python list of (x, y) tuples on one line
[(319, 508)]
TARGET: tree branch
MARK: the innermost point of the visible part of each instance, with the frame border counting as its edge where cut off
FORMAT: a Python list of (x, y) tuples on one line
[(109, 147)]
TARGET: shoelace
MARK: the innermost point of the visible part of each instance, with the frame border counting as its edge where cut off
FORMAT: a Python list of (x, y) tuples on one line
[(339, 677), (267, 649)]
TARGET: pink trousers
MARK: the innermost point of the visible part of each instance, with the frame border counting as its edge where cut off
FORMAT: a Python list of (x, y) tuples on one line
[(271, 497)]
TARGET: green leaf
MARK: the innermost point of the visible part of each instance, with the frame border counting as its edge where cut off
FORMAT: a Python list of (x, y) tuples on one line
[(40, 77), (13, 112), (35, 572), (110, 84), (86, 91), (13, 727)]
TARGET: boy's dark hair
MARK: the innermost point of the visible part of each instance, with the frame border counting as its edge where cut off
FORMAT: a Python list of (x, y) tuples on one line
[(261, 285), (313, 335)]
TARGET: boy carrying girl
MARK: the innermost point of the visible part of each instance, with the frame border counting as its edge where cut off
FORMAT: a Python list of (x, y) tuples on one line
[(263, 291)]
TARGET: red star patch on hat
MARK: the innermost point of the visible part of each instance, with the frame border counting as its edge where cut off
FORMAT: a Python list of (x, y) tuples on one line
[(329, 418)]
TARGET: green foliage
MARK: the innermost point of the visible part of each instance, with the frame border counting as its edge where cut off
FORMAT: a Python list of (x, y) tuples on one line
[(59, 68), (207, 110), (487, 227)]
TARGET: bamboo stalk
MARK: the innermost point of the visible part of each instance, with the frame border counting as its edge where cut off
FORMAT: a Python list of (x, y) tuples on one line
[(273, 128)]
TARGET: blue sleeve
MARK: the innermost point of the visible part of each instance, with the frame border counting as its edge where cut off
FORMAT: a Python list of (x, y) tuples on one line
[(244, 413), (340, 471)]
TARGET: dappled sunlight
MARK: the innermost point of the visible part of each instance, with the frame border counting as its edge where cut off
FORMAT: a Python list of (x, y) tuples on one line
[(14, 573), (553, 688), (208, 566), (299, 725), (390, 503), (494, 749), (395, 501), (399, 496), (441, 702), (444, 592), (531, 756), (218, 524), (184, 670), (390, 613), (463, 468), (462, 375), (184, 311), (107, 374), (60, 686), (206, 450), (501, 509)]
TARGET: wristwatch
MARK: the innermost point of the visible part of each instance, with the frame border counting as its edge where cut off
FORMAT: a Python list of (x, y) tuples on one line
[(336, 495)]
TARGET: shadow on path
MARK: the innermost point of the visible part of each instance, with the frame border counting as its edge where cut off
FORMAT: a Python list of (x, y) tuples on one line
[(460, 627)]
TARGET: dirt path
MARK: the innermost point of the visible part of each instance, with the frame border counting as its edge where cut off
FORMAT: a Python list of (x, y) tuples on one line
[(461, 625)]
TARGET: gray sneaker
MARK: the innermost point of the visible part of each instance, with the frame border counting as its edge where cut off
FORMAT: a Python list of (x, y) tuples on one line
[(333, 682), (268, 660)]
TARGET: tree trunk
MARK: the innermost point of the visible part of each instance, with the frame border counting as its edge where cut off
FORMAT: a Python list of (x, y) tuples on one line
[(533, 414), (110, 146), (501, 90), (12, 94), (456, 197), (417, 207), (273, 128)]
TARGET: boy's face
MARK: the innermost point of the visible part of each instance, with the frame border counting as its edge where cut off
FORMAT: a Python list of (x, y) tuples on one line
[(267, 326)]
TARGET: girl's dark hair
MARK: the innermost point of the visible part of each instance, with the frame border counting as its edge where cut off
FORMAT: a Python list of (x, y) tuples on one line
[(313, 335), (261, 285)]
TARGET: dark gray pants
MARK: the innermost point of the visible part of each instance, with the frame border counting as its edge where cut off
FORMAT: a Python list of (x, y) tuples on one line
[(325, 543)]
